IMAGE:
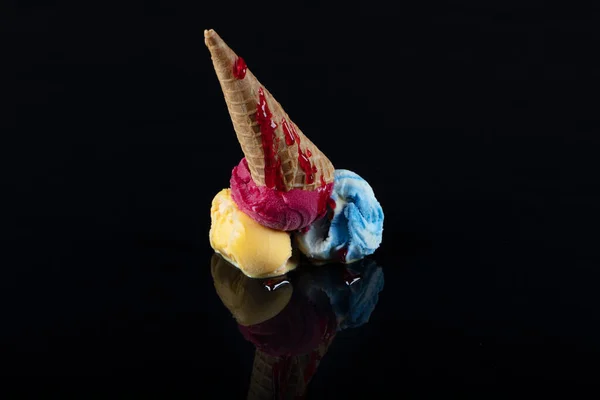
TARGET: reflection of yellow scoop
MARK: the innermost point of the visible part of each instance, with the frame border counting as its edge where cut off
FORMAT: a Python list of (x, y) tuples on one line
[(248, 299)]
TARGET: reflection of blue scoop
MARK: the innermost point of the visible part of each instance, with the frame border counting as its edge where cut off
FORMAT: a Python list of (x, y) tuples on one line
[(355, 227), (353, 290), (363, 294)]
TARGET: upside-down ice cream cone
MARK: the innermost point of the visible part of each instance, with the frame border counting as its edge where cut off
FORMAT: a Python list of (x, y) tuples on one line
[(279, 155)]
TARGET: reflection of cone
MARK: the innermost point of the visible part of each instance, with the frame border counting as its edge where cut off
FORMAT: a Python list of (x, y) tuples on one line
[(281, 157), (284, 377), (276, 377), (314, 359)]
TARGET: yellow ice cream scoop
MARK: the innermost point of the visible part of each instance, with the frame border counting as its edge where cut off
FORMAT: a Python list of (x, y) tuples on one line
[(258, 251)]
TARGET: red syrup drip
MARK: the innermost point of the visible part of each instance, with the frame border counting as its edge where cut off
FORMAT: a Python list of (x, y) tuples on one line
[(273, 175), (295, 133), (342, 253), (275, 283), (239, 68), (316, 355), (311, 368), (323, 197), (331, 204), (351, 277), (289, 134), (281, 375), (308, 169)]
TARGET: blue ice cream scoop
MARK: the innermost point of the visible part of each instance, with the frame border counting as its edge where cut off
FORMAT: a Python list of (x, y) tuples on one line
[(354, 227)]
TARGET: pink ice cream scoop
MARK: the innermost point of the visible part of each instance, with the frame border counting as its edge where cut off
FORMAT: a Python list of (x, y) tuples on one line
[(282, 210)]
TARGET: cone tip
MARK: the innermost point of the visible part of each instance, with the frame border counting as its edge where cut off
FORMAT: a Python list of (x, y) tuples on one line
[(211, 38)]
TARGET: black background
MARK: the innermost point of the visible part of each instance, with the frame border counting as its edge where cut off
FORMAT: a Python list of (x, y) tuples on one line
[(476, 125)]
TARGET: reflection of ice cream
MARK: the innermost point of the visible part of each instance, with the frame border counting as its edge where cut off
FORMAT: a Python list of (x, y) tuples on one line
[(257, 250), (290, 332), (352, 290), (293, 333), (286, 180), (277, 377), (246, 298), (355, 298), (364, 296), (355, 227)]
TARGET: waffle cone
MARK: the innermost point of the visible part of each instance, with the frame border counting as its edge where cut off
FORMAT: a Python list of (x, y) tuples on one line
[(242, 96)]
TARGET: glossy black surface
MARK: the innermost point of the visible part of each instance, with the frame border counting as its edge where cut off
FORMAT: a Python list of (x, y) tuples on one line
[(476, 125)]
